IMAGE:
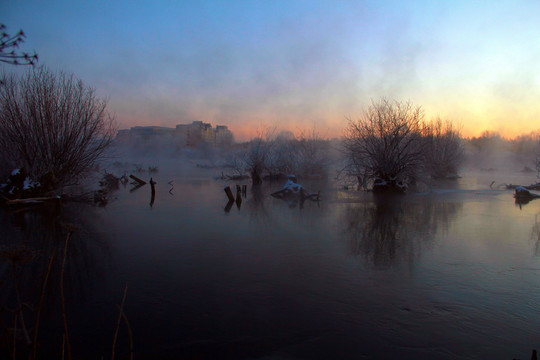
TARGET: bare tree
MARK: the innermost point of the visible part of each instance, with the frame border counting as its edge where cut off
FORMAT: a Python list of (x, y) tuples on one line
[(283, 159), (385, 143), (258, 154), (313, 156), (444, 148), (8, 44), (52, 125), (236, 162)]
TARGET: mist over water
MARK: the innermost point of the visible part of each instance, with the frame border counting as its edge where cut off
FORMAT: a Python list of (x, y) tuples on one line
[(233, 219), (448, 273)]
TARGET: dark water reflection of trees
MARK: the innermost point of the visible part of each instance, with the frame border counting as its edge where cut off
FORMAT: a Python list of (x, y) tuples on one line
[(31, 256), (535, 234), (395, 229)]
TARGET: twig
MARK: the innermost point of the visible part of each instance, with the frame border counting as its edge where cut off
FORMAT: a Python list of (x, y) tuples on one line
[(41, 302), (63, 302), (15, 338), (118, 322), (63, 346), (20, 305), (130, 334)]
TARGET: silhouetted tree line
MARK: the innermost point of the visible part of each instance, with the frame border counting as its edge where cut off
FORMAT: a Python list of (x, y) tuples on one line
[(273, 156), (522, 144)]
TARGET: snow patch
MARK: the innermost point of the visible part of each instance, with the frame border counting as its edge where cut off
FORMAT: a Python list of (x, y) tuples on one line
[(29, 183), (292, 186)]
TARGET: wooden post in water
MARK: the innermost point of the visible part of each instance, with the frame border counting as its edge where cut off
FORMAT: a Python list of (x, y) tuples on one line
[(152, 192), (228, 206), (229, 193), (238, 197)]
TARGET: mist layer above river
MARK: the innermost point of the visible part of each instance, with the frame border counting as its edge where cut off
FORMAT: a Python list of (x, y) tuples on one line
[(447, 274)]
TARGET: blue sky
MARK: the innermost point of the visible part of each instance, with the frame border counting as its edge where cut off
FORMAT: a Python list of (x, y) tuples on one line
[(294, 64)]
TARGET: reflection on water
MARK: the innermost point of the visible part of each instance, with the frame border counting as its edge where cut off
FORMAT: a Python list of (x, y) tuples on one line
[(390, 229), (535, 235), (270, 279), (32, 256)]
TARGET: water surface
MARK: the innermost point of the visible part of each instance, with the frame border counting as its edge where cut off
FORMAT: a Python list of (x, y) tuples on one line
[(453, 273)]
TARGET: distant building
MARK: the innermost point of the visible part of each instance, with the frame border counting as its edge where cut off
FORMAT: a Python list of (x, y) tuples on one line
[(198, 132), (151, 130), (224, 136), (195, 134)]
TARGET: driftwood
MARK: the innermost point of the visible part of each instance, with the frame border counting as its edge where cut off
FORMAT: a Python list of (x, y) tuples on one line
[(139, 181)]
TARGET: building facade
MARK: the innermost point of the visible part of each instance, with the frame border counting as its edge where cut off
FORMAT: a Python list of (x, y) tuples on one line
[(195, 134)]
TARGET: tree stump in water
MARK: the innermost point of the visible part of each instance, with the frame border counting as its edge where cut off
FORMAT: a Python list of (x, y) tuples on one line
[(229, 193)]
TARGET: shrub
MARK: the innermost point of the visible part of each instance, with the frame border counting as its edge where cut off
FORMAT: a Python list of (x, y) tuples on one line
[(52, 125), (385, 143)]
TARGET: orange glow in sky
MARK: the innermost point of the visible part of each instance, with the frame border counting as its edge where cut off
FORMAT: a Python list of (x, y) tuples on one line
[(295, 65)]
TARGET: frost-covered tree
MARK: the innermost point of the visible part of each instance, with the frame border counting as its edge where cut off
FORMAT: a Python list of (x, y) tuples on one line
[(385, 143), (52, 125), (313, 154), (258, 154), (283, 159), (235, 161)]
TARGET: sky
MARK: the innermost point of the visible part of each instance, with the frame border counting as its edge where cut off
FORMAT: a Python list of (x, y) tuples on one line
[(294, 65)]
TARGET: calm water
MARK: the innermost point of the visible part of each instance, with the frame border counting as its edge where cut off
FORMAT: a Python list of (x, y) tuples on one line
[(451, 274)]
